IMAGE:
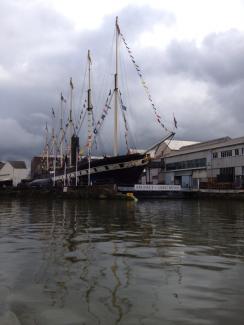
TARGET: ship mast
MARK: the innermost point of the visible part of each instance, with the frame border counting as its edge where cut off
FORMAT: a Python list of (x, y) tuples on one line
[(53, 136), (47, 148), (89, 117), (61, 129), (116, 89), (70, 116)]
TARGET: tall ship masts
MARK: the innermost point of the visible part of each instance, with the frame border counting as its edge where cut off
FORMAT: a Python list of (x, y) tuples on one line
[(116, 90), (89, 117), (71, 126), (61, 129), (47, 148), (117, 169)]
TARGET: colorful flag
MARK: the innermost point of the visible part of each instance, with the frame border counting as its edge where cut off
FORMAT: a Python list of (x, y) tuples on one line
[(89, 56), (175, 122), (71, 83), (117, 26)]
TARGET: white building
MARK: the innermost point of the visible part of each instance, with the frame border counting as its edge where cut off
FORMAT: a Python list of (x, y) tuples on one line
[(217, 163), (153, 174), (12, 172)]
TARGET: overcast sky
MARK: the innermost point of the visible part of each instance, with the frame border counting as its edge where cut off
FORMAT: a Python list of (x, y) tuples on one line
[(191, 54)]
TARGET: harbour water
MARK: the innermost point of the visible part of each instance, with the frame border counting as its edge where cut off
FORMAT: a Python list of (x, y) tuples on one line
[(109, 262)]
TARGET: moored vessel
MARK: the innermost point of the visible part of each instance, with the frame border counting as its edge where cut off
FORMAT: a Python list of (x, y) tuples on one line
[(67, 167)]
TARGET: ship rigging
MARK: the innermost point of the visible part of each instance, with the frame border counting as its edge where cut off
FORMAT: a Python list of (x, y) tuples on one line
[(69, 165)]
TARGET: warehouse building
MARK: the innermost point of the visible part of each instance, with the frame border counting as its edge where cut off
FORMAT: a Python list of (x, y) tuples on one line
[(154, 173), (217, 163)]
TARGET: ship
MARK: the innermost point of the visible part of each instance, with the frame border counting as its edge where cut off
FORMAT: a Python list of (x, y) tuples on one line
[(72, 170)]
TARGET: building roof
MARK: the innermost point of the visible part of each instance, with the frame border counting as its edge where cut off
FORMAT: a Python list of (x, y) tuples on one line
[(172, 144), (208, 145), (178, 144), (1, 164), (17, 164)]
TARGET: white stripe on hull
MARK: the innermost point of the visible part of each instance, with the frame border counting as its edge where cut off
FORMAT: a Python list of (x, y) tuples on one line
[(105, 168)]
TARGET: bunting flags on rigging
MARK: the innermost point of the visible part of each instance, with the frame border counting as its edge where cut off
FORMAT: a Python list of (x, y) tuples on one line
[(62, 98), (123, 109), (104, 113), (158, 117)]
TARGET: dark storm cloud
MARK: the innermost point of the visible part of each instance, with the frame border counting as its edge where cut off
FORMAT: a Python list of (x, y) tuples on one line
[(40, 50), (217, 63), (201, 83), (218, 59)]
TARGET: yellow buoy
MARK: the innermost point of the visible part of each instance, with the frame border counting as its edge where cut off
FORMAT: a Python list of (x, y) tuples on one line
[(131, 196)]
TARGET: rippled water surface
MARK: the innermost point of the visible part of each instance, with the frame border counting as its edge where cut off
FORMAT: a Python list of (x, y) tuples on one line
[(107, 262)]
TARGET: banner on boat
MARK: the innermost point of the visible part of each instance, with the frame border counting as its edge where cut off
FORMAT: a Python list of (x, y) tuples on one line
[(150, 187)]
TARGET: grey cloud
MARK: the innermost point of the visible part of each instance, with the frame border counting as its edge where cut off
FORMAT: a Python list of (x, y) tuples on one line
[(136, 20), (213, 72), (15, 141), (219, 59), (41, 50)]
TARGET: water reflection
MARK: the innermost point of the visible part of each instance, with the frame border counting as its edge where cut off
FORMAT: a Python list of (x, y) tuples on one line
[(100, 262)]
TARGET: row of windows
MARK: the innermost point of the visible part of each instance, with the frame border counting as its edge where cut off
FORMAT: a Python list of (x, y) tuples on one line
[(228, 153), (227, 171), (195, 163)]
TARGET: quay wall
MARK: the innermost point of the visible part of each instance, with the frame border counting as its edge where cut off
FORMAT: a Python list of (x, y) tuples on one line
[(111, 192)]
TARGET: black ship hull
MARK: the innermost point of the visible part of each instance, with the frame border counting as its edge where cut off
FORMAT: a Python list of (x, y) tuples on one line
[(117, 170)]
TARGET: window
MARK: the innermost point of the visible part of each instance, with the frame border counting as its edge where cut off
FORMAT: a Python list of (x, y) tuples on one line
[(226, 174), (236, 152), (215, 155), (227, 153), (188, 164), (227, 171)]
